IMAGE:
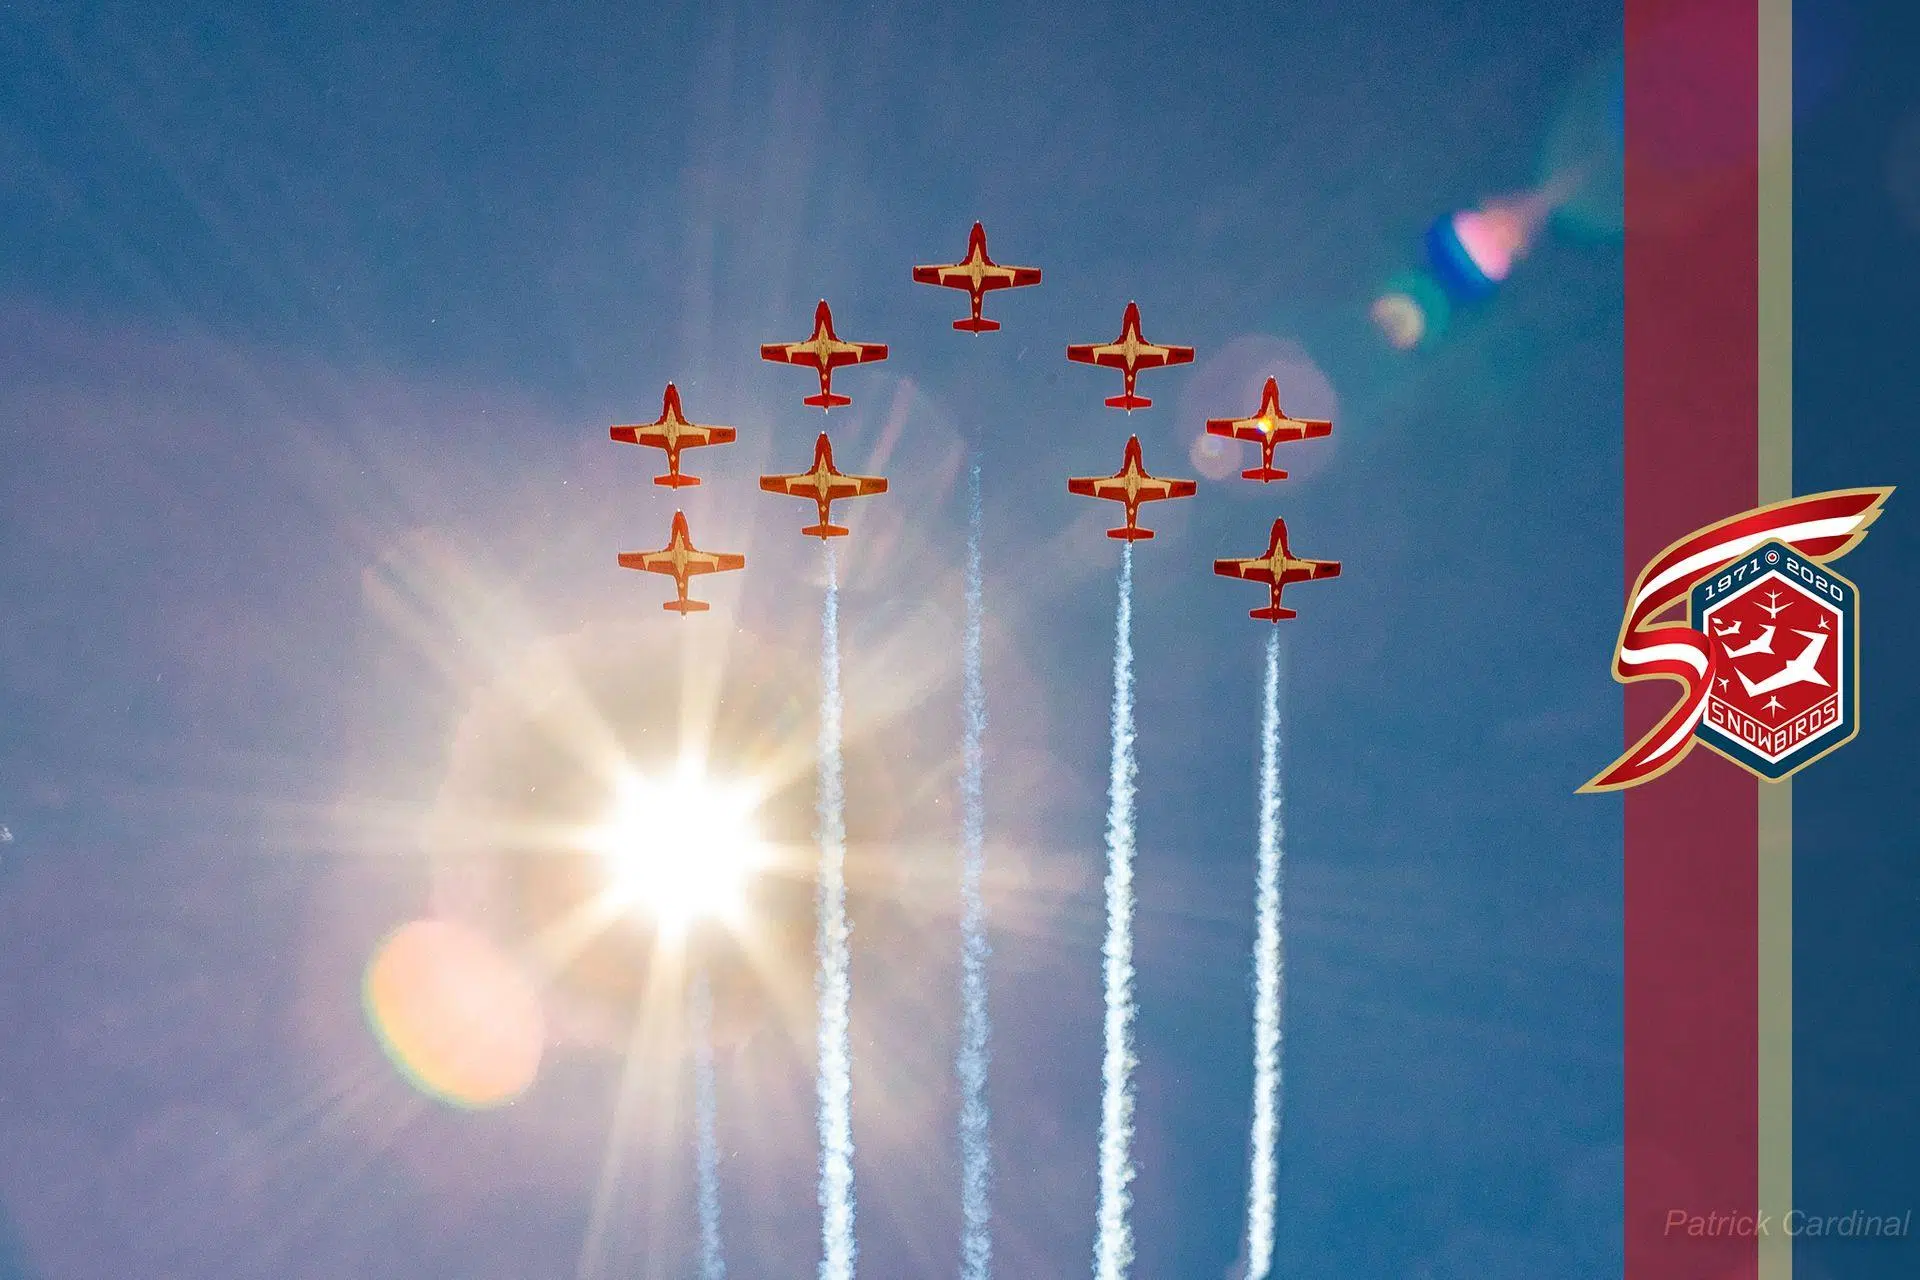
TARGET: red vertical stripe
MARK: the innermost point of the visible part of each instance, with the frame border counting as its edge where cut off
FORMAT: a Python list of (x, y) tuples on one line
[(1691, 458)]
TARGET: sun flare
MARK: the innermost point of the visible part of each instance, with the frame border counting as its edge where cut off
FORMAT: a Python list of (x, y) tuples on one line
[(681, 848)]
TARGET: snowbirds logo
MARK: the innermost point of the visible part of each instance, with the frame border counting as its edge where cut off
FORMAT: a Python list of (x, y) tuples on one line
[(1769, 653), (1793, 625)]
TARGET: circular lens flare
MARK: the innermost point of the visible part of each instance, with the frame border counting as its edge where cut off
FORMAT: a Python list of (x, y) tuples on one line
[(458, 1018), (681, 849), (1400, 319), (1214, 457)]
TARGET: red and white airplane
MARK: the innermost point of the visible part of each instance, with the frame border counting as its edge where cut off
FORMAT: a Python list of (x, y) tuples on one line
[(680, 560), (824, 352), (977, 273), (1267, 427), (824, 485), (671, 431), (1129, 353), (1277, 568), (1131, 485)]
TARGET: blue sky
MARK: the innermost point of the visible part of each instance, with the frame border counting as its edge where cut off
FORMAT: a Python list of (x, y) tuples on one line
[(301, 304), (1856, 899)]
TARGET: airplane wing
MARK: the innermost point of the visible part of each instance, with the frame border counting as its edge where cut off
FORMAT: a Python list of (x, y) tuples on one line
[(1153, 488), (856, 353), (1250, 430), (1309, 570), (651, 561), (1149, 488), (786, 352), (1254, 570), (997, 277), (696, 562), (1111, 355), (1156, 357), (804, 485), (800, 486), (955, 275), (951, 275), (690, 435)]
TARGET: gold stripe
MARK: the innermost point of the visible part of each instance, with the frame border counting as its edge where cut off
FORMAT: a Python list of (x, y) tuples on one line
[(1775, 338)]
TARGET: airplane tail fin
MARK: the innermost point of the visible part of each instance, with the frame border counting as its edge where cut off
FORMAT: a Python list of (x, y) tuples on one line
[(1264, 474), (825, 531), (676, 480), (685, 607), (826, 400), (1134, 534), (976, 324), (1272, 613), (1128, 402)]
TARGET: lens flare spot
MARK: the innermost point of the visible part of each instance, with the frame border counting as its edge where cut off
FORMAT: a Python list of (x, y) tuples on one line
[(1228, 383), (1473, 250), (1400, 320), (454, 1014), (1492, 239), (1214, 457), (1453, 263)]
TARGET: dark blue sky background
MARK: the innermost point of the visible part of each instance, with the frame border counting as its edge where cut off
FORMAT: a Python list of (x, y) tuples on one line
[(285, 295), (1856, 882)]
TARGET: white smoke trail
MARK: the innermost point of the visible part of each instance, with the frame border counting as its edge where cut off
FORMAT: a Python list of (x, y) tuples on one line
[(1267, 973), (712, 1265), (834, 989), (1113, 1244), (976, 1156)]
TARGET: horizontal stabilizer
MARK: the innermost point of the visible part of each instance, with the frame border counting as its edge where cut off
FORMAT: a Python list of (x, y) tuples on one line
[(1134, 534), (976, 324), (1272, 613), (826, 400), (1128, 402), (1264, 474), (685, 607), (676, 480), (825, 531)]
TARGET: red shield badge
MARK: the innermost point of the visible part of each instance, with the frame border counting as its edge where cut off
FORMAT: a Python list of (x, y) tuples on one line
[(1785, 638)]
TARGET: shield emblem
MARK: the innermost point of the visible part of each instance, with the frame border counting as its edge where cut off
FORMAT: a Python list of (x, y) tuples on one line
[(1785, 637)]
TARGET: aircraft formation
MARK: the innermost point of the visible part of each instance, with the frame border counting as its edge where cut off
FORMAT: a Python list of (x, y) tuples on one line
[(823, 351)]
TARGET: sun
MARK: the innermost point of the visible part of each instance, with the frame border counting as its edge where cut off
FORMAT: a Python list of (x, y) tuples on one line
[(681, 848)]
